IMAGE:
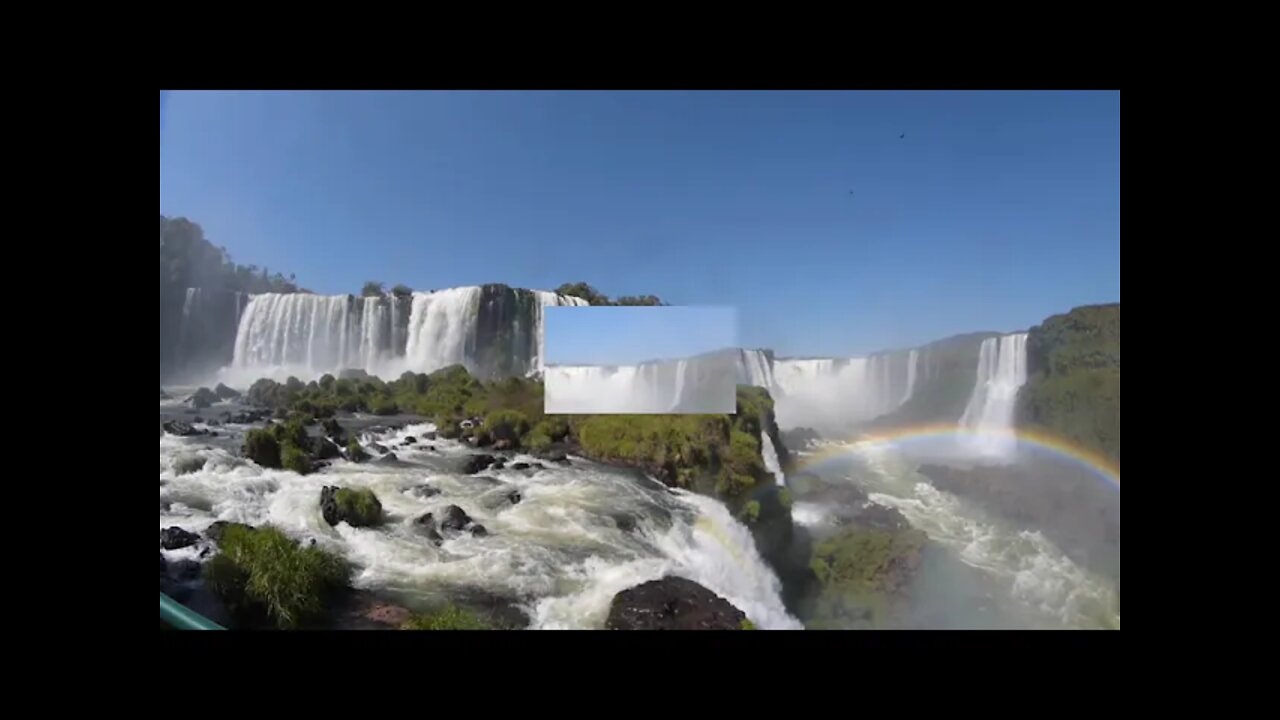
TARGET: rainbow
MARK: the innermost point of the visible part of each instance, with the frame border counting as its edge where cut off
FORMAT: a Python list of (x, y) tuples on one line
[(1040, 440)]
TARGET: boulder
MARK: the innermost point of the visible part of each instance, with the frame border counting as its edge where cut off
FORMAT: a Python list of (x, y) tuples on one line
[(225, 393), (409, 440), (172, 538), (672, 603), (214, 531), (425, 491), (475, 463), (430, 435), (324, 449), (515, 497), (478, 530), (179, 428), (454, 518), (426, 524), (380, 448), (520, 466), (357, 508), (202, 398)]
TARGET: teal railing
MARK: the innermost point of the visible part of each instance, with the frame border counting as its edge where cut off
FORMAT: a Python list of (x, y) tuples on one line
[(180, 617)]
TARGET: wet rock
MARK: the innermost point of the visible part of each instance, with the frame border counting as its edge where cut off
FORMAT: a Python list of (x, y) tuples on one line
[(426, 524), (173, 538), (198, 419), (555, 456), (625, 522), (187, 464), (380, 448), (475, 463), (202, 398), (520, 466), (880, 517), (425, 491), (672, 603), (390, 457), (430, 435), (333, 429), (179, 428), (356, 507), (515, 497), (184, 570), (214, 532), (248, 417), (410, 440), (225, 393), (324, 449), (432, 448), (478, 530), (454, 518)]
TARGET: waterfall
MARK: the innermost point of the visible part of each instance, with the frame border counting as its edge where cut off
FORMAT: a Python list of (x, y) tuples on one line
[(701, 384), (770, 454), (1002, 370), (442, 328), (913, 359), (755, 367)]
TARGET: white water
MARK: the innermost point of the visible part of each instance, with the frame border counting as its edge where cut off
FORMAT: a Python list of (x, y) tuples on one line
[(704, 384), (755, 368), (559, 552), (308, 335), (831, 395), (913, 360), (1021, 566), (1002, 371), (770, 454)]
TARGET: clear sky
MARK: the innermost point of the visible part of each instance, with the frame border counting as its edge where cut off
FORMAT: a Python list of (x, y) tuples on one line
[(805, 210), (630, 335)]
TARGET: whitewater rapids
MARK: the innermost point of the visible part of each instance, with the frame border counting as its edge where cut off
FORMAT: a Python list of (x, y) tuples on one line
[(579, 535)]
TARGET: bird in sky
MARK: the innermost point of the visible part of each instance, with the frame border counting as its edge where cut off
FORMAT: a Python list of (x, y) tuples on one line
[(902, 136)]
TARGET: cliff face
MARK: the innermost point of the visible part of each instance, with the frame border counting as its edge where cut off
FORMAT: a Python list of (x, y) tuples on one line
[(1073, 378), (944, 382)]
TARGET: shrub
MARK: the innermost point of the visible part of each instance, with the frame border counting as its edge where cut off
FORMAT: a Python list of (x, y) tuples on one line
[(355, 453), (382, 405), (751, 511), (294, 458), (784, 497), (537, 440), (326, 382), (294, 385), (262, 569), (266, 393), (291, 431), (748, 625), (506, 424), (224, 392), (261, 446), (450, 618)]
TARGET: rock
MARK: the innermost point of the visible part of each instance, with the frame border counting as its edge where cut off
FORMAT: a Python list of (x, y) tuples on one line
[(521, 466), (409, 440), (625, 523), (202, 398), (324, 449), (387, 614), (333, 430), (475, 463), (881, 518), (555, 456), (183, 570), (390, 457), (515, 497), (425, 491), (430, 435), (214, 531), (357, 508), (179, 428), (672, 603), (225, 393), (163, 395), (248, 417), (214, 423), (380, 448), (478, 530), (432, 448), (454, 519), (427, 525), (198, 419), (503, 444), (187, 464), (172, 538)]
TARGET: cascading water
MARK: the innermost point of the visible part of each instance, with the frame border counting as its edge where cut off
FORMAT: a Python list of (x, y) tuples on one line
[(703, 384), (755, 367), (832, 395), (770, 455), (913, 359), (1002, 371), (442, 328)]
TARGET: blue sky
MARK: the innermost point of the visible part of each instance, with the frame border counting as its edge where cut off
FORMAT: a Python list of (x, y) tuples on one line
[(629, 335), (996, 210)]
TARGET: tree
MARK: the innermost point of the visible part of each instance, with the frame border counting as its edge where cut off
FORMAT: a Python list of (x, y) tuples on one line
[(372, 288), (402, 290)]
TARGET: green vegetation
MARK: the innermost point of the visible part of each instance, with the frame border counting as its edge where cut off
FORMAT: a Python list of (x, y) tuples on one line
[(861, 572), (595, 297), (506, 425), (262, 571), (355, 453), (358, 507), (784, 497), (261, 446), (748, 625), (401, 291), (449, 618), (372, 288), (1073, 378), (294, 458), (382, 405), (751, 512)]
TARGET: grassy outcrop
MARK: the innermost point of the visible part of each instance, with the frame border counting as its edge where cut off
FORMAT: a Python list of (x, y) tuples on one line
[(862, 574), (1073, 378), (263, 575)]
